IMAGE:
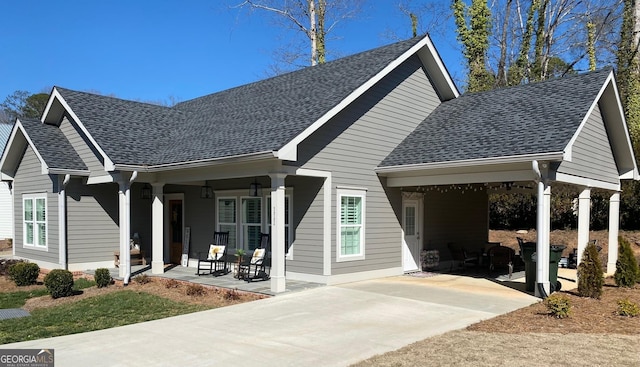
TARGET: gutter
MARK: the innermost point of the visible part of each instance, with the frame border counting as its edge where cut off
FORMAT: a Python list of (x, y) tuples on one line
[(540, 219), (196, 164), (472, 162)]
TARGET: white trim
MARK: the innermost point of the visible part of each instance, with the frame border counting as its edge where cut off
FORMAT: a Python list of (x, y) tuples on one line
[(289, 151), (18, 126), (63, 171), (197, 163), (586, 182), (407, 255), (552, 156), (363, 209), (34, 197), (460, 178), (90, 265), (92, 180)]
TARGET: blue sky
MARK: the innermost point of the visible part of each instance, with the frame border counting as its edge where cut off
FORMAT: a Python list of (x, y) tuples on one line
[(158, 50)]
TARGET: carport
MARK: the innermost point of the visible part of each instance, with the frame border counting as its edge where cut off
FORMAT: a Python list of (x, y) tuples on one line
[(569, 130)]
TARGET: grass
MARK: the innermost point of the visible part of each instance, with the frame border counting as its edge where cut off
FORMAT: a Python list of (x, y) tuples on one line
[(18, 299), (94, 313)]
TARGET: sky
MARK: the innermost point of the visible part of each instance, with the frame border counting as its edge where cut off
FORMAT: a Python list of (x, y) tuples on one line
[(158, 51)]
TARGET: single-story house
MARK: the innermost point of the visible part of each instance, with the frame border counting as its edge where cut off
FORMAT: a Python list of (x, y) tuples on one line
[(6, 200), (353, 167)]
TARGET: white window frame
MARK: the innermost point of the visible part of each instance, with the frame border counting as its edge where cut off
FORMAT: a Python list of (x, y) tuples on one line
[(288, 227), (235, 223), (340, 193), (35, 222), (242, 224)]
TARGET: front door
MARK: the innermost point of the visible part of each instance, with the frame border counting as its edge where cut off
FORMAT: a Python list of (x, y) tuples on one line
[(411, 225), (176, 229)]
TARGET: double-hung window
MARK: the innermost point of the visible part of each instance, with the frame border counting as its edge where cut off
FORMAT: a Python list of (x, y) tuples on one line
[(34, 220), (227, 218), (351, 224)]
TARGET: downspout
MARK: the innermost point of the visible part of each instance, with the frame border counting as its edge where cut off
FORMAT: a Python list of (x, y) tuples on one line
[(127, 210), (540, 215), (62, 223)]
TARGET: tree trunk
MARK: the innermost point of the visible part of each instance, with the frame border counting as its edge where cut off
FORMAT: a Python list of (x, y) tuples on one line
[(313, 32)]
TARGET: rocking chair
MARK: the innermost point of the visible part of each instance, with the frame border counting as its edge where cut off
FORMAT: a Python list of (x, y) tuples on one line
[(217, 257)]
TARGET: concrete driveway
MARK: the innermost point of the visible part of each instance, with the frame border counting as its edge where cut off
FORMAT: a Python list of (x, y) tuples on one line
[(328, 326)]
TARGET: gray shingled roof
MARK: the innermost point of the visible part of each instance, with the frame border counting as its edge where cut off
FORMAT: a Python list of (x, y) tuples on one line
[(529, 119), (5, 132), (52, 145), (129, 132), (253, 118)]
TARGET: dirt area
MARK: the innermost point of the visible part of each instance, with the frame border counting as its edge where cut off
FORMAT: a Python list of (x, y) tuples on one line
[(175, 290)]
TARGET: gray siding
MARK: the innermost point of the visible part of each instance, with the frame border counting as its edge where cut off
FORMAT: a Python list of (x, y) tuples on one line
[(308, 221), (455, 217), (592, 155), (91, 158), (353, 144), (30, 180), (92, 222)]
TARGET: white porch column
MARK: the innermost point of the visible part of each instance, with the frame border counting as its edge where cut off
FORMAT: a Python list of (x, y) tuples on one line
[(584, 214), (62, 222), (278, 281), (542, 246), (157, 229), (124, 198), (614, 225)]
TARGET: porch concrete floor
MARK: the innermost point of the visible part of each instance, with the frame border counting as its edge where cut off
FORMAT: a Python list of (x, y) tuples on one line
[(225, 281)]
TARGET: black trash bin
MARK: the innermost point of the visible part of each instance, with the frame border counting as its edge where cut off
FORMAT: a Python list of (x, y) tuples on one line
[(555, 254), (527, 249), (554, 259)]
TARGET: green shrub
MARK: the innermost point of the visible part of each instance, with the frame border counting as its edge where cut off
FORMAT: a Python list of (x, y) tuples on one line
[(627, 308), (590, 274), (558, 305), (231, 295), (142, 279), (5, 264), (627, 272), (59, 283), (195, 290), (102, 277), (24, 273)]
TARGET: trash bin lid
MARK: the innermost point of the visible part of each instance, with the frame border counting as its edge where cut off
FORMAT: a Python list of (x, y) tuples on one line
[(558, 247)]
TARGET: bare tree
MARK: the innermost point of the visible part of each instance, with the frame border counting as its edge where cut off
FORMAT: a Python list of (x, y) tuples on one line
[(314, 18)]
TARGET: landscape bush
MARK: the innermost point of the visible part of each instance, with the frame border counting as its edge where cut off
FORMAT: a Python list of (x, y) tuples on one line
[(171, 283), (24, 273), (59, 283), (627, 308), (102, 277), (558, 305), (627, 272), (590, 274), (5, 264), (142, 279), (195, 290)]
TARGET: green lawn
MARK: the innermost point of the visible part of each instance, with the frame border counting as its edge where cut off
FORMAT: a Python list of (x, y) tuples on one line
[(95, 313), (18, 299)]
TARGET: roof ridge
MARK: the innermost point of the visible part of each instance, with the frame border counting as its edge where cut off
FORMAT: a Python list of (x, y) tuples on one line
[(62, 89), (566, 77)]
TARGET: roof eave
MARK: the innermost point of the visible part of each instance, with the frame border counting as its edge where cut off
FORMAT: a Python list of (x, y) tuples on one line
[(197, 163), (552, 156)]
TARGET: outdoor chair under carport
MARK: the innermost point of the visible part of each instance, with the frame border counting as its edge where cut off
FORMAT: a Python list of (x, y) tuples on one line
[(217, 259), (460, 257), (501, 257)]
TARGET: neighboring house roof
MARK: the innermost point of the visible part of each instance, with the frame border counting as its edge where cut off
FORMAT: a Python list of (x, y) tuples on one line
[(5, 132), (52, 146), (257, 118), (530, 119)]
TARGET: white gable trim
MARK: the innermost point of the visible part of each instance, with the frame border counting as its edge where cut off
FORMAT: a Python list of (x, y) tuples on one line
[(18, 127), (289, 151), (609, 82), (55, 95)]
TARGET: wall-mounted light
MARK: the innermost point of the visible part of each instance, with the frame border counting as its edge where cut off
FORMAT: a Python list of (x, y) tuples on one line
[(146, 192), (206, 191), (255, 189)]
